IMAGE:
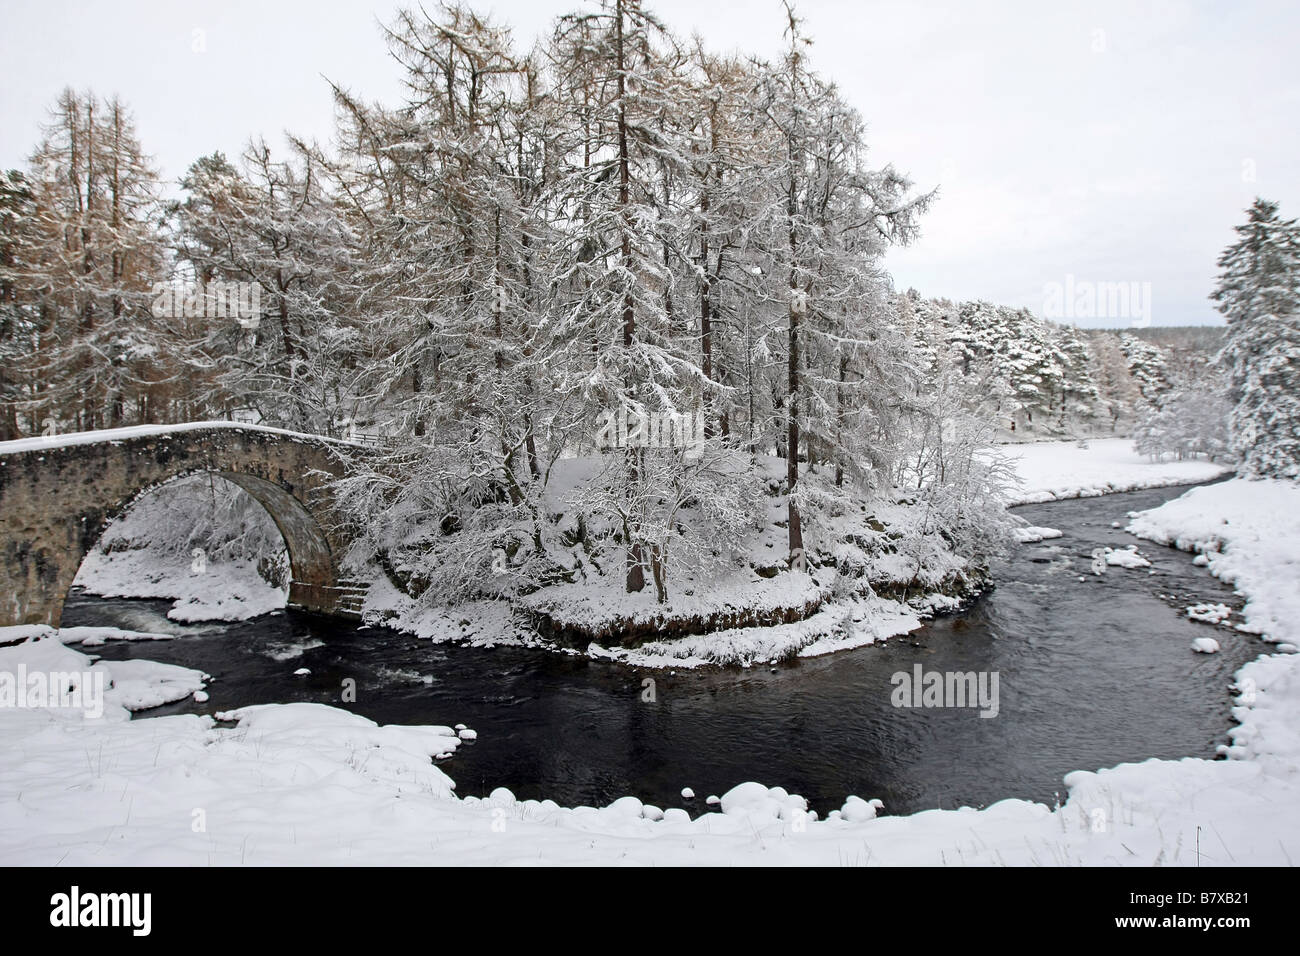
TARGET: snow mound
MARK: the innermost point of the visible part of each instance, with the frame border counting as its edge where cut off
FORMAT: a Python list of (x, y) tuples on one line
[(1126, 558), (1209, 613), (857, 810), (1032, 534), (756, 802), (128, 685)]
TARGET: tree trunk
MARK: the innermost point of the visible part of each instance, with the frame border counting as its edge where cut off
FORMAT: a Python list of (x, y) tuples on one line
[(635, 570)]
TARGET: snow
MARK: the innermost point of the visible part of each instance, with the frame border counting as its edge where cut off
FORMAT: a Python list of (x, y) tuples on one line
[(1249, 534), (85, 636), (840, 626), (50, 442), (857, 810), (1125, 558), (1032, 535), (315, 785), (1205, 645), (1209, 613), (759, 804), (140, 685), (224, 591), (129, 685), (1061, 469)]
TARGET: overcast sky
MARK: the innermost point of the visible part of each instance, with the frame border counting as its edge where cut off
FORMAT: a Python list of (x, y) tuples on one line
[(1107, 142)]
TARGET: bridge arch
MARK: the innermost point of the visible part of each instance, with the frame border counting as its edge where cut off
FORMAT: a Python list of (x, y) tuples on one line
[(57, 496)]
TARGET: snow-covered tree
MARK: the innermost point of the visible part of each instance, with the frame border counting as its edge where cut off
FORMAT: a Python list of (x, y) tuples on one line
[(1118, 396), (1147, 364), (272, 225), (1191, 420), (831, 218), (609, 224), (19, 320), (1079, 390), (1258, 292), (82, 273)]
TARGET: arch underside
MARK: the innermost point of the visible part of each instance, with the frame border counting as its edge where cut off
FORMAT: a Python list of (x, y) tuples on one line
[(314, 583)]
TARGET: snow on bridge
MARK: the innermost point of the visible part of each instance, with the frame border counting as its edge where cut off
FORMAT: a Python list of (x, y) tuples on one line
[(58, 493)]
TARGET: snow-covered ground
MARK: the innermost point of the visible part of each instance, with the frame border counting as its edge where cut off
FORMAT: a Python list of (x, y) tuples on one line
[(1067, 469), (309, 784), (221, 591), (838, 626)]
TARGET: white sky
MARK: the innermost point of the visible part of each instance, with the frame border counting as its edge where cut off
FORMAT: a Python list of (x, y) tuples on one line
[(1108, 141)]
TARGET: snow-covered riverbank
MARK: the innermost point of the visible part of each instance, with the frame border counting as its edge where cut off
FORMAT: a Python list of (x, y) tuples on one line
[(1066, 469), (310, 784), (222, 591)]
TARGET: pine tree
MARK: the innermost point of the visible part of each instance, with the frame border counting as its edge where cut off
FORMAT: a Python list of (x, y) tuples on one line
[(1147, 364), (1258, 292)]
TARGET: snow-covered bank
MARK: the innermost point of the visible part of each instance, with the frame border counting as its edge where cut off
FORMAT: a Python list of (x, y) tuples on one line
[(222, 591), (875, 566), (838, 626), (1065, 469), (1249, 535), (85, 636), (1047, 471), (127, 685)]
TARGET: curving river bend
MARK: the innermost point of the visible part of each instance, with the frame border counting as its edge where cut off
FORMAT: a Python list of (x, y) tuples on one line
[(1091, 673)]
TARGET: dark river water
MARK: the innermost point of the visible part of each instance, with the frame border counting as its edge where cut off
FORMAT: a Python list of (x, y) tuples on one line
[(1091, 673)]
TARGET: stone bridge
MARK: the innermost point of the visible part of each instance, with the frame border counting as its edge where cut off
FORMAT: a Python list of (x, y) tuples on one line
[(58, 494)]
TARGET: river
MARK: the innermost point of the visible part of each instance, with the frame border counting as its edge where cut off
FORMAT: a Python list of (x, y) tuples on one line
[(1091, 673)]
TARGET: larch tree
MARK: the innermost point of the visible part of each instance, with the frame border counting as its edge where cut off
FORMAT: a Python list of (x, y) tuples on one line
[(92, 251), (619, 76), (832, 217)]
